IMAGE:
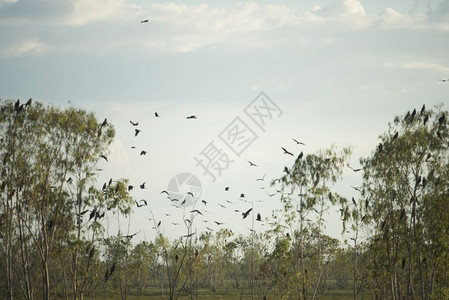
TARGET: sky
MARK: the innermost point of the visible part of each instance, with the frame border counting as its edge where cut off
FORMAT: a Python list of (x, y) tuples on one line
[(332, 72)]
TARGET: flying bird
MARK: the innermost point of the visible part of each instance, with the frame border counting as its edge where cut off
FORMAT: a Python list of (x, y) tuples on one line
[(129, 236), (259, 217), (130, 187), (191, 117), (252, 164), (144, 21), (271, 195), (227, 188), (287, 152), (355, 170), (140, 205), (218, 223), (156, 115), (165, 192), (204, 202), (444, 80), (143, 152), (298, 142), (242, 195), (134, 124), (245, 214), (137, 131), (142, 186), (196, 211), (104, 157), (261, 179)]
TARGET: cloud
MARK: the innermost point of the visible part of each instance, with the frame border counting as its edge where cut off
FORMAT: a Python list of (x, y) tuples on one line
[(3, 2), (349, 12), (430, 66), (26, 48), (88, 11), (425, 66)]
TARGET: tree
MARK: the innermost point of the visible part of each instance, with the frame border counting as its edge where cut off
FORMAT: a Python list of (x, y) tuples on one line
[(48, 162), (306, 187), (405, 183)]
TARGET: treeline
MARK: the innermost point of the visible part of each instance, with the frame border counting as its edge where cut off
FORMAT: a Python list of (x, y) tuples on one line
[(53, 243)]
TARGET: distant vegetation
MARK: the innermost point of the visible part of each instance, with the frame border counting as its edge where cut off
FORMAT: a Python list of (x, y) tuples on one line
[(52, 241)]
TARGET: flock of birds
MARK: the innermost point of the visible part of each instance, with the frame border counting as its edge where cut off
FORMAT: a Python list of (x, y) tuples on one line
[(193, 208), (199, 208)]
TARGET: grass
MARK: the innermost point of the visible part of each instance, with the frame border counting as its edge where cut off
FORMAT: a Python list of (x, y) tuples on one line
[(229, 295)]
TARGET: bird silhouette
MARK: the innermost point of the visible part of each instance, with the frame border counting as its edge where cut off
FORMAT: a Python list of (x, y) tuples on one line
[(271, 195), (298, 142), (156, 115), (191, 117), (287, 152), (246, 213), (355, 170), (196, 211), (130, 236), (227, 188), (204, 202), (143, 152), (137, 131), (144, 21), (395, 135), (165, 192), (242, 195), (252, 164), (423, 108), (259, 217), (299, 156), (218, 223), (134, 124), (380, 147), (104, 157), (444, 80), (261, 179), (140, 205), (441, 119), (142, 186), (130, 187)]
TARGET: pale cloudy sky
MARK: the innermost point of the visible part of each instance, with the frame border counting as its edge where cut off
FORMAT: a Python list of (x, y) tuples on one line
[(339, 70)]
